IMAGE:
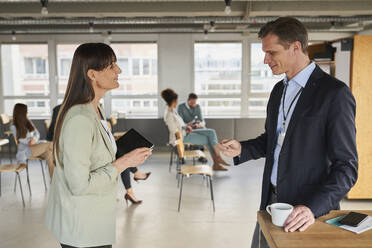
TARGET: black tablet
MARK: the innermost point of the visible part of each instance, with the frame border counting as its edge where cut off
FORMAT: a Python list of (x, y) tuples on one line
[(130, 141)]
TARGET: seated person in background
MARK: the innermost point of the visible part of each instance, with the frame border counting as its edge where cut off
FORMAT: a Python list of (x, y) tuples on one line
[(190, 112), (50, 133), (28, 139), (203, 136)]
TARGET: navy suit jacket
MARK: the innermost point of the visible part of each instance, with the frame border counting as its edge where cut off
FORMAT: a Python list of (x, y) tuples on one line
[(318, 162)]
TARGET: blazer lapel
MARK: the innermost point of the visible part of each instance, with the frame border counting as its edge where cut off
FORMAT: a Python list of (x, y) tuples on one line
[(275, 103), (303, 102), (102, 130)]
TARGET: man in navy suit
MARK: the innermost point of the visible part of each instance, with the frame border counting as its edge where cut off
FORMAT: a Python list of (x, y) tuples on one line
[(309, 139)]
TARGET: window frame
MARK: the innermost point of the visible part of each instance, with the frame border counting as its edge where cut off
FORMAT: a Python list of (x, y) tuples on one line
[(25, 98), (52, 67), (222, 96), (109, 97)]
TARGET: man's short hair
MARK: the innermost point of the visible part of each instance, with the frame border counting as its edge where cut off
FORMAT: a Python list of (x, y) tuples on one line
[(288, 30), (192, 96)]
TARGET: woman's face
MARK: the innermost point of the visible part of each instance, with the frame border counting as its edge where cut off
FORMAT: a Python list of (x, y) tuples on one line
[(107, 79)]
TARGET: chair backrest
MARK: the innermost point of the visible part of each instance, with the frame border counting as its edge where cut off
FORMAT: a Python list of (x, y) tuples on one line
[(5, 118), (179, 135), (179, 144), (15, 139), (113, 120), (47, 124)]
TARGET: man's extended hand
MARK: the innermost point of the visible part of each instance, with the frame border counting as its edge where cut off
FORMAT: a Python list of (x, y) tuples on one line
[(230, 148), (300, 219)]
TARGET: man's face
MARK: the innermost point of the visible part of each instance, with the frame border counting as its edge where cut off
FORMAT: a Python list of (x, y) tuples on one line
[(277, 56), (192, 103)]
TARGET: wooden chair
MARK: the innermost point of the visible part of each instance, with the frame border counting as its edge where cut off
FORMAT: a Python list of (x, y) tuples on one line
[(16, 168), (5, 120), (27, 164), (190, 170), (114, 122), (194, 154)]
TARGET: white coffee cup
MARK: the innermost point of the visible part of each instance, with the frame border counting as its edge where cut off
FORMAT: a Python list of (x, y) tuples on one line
[(279, 212)]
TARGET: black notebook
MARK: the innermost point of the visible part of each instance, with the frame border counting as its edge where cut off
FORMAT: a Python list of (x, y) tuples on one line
[(130, 141)]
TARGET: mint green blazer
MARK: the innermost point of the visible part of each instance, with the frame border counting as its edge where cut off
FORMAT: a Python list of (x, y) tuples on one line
[(81, 207)]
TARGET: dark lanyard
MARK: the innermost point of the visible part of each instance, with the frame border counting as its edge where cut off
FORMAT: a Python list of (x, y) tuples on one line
[(290, 106)]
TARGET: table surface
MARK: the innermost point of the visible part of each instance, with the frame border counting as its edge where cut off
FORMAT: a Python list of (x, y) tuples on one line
[(320, 234)]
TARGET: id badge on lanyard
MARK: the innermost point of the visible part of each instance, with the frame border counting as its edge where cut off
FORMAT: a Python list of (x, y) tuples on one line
[(281, 135)]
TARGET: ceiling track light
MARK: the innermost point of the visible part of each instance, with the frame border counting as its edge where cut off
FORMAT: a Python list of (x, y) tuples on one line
[(213, 26), (109, 37), (228, 7), (91, 30), (205, 34), (44, 5), (14, 36)]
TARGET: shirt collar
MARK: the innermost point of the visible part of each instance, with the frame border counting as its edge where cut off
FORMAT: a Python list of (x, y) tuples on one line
[(187, 105), (302, 77)]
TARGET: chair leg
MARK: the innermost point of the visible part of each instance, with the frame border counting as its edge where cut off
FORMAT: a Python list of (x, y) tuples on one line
[(212, 196), (20, 186), (180, 197), (171, 160), (42, 170), (178, 164), (28, 181), (193, 161), (178, 179), (15, 184), (10, 152)]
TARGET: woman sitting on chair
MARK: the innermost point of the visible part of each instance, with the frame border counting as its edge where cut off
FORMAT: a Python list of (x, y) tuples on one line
[(205, 136), (27, 137)]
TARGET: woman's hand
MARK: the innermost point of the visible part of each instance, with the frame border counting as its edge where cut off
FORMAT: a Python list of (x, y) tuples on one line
[(32, 142), (188, 129), (132, 159)]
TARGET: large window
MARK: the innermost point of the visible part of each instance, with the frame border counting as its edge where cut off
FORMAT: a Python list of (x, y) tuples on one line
[(65, 52), (25, 77), (217, 71), (261, 82), (138, 90)]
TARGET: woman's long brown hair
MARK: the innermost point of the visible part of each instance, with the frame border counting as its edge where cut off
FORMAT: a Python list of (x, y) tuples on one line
[(95, 56), (20, 121)]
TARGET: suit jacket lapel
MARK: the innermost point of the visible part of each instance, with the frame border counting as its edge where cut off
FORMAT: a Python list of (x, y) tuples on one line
[(102, 130), (303, 102), (276, 97)]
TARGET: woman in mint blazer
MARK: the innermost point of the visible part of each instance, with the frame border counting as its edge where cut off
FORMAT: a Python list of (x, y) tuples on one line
[(82, 200)]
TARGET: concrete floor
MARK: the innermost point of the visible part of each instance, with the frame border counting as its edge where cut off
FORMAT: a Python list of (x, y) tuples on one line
[(156, 222)]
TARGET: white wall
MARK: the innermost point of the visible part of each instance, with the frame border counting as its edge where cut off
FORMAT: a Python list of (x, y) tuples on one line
[(175, 56), (343, 60)]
